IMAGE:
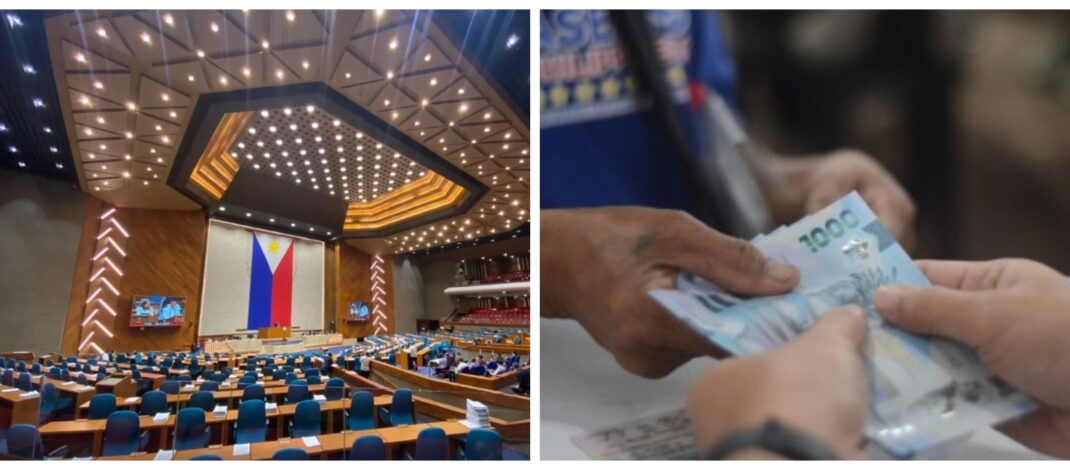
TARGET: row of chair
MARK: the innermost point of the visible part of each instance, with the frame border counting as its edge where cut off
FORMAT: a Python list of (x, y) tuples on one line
[(24, 441)]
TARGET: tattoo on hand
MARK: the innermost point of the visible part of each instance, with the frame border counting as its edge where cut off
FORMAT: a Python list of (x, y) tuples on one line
[(644, 243)]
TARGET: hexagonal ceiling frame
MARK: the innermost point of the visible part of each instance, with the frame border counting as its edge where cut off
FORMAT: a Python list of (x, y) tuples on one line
[(209, 114)]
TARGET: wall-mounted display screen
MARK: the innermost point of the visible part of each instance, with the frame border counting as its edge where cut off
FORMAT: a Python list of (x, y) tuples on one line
[(157, 310), (358, 311)]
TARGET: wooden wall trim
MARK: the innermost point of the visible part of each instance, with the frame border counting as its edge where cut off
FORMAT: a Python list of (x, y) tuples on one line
[(508, 400), (72, 327)]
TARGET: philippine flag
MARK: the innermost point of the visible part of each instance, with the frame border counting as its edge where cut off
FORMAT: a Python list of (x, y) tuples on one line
[(271, 281)]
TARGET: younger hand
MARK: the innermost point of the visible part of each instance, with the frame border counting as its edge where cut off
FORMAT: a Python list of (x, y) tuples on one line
[(815, 384), (1016, 315)]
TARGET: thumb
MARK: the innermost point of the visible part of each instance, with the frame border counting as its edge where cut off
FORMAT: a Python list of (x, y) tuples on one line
[(935, 311), (842, 323)]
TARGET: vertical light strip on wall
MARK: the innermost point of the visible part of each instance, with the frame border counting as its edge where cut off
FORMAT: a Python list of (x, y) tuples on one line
[(101, 303), (378, 295)]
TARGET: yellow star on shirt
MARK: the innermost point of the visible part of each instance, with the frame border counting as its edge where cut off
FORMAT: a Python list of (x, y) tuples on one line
[(585, 92), (559, 95), (610, 88), (677, 76)]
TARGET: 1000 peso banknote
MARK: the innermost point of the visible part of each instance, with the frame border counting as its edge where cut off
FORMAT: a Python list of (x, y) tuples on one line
[(924, 391)]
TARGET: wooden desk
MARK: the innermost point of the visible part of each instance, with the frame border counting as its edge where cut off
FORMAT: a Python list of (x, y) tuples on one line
[(421, 356), (22, 410), (273, 333), (118, 386), (96, 426), (329, 443)]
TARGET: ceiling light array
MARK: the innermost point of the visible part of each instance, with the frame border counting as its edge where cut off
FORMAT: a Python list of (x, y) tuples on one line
[(461, 230), (334, 158), (271, 220), (310, 148), (112, 239)]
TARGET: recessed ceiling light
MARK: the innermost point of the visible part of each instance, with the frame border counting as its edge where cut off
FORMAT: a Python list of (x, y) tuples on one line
[(290, 16), (215, 27), (145, 38), (102, 33), (170, 20)]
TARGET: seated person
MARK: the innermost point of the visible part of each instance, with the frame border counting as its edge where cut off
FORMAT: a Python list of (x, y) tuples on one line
[(501, 369)]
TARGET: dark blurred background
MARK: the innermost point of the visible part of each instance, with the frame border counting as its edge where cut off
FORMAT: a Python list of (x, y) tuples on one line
[(970, 111)]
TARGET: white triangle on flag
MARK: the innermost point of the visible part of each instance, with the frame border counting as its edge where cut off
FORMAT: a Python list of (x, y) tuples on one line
[(274, 248)]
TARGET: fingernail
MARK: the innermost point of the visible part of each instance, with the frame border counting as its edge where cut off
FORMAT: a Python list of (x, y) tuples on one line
[(779, 271), (888, 297)]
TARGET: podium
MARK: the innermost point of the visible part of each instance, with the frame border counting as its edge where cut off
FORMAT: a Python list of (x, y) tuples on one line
[(119, 386), (403, 359), (282, 332)]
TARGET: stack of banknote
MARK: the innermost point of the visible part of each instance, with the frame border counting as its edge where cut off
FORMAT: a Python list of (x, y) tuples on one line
[(925, 392)]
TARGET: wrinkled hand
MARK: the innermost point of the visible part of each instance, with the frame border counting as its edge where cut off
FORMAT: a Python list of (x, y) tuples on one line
[(815, 384), (1016, 315), (823, 180), (598, 265)]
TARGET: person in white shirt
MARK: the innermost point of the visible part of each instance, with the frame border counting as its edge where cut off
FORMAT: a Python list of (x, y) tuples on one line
[(500, 370), (365, 366)]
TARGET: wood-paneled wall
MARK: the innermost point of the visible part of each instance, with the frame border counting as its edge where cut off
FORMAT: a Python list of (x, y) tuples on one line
[(352, 281), (164, 256)]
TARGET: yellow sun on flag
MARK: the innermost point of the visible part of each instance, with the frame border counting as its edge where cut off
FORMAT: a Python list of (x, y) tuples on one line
[(274, 246)]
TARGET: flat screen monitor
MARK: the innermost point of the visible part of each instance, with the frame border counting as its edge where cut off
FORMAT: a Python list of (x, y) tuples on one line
[(157, 310), (358, 311)]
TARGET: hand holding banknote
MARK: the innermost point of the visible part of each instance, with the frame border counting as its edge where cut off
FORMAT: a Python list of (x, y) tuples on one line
[(627, 251), (1016, 315), (815, 384)]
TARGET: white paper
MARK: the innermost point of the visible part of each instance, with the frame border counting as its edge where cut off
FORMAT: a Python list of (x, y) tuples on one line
[(68, 383), (161, 418), (319, 397), (131, 400), (241, 449), (9, 390), (187, 387), (311, 441), (665, 436), (219, 411), (271, 406), (469, 424), (260, 382), (29, 395), (164, 455)]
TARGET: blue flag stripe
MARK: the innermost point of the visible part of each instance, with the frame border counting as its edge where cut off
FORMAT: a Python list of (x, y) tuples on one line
[(260, 281)]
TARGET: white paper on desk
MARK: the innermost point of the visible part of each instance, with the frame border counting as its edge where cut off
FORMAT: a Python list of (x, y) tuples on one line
[(241, 449), (219, 411), (311, 441), (664, 436), (9, 390), (29, 395), (86, 388), (271, 406), (164, 455), (161, 417), (469, 424), (131, 400), (187, 387), (319, 397), (260, 382), (68, 383)]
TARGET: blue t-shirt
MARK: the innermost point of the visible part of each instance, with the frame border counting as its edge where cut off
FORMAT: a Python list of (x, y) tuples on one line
[(598, 147)]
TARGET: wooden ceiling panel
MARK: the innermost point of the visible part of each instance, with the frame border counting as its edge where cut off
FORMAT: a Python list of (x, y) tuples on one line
[(352, 51)]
